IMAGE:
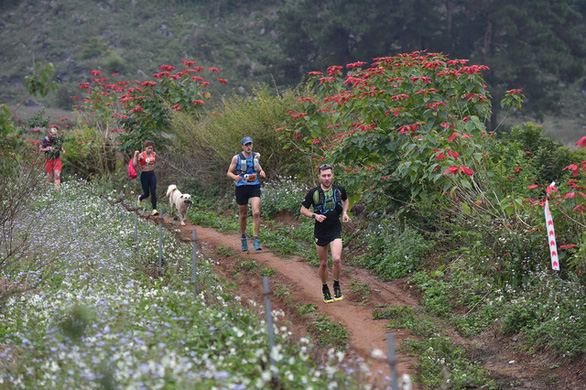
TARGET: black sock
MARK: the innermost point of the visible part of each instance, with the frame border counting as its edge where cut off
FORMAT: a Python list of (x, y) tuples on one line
[(325, 287), (244, 236), (336, 283)]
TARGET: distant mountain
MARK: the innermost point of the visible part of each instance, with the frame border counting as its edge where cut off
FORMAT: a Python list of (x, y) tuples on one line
[(134, 38), (276, 41)]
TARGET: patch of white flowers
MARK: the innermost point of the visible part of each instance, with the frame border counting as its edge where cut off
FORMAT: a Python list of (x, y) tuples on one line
[(97, 318)]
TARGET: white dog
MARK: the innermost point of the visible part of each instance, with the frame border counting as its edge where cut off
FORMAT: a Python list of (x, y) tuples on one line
[(178, 201)]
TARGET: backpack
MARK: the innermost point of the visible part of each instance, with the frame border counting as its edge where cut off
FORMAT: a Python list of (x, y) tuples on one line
[(131, 171), (323, 203)]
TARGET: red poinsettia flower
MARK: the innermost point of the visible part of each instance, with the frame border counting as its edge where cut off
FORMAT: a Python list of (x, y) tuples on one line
[(454, 135), (567, 246), (582, 142), (453, 170), (466, 170), (574, 168)]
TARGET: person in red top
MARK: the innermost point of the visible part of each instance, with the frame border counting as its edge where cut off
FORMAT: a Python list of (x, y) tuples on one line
[(145, 162), (52, 147)]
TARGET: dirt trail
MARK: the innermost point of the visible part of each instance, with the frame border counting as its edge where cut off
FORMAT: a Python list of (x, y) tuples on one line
[(512, 369), (365, 334)]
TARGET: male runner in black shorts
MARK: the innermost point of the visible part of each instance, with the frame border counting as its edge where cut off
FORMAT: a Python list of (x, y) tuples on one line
[(329, 201), (244, 170)]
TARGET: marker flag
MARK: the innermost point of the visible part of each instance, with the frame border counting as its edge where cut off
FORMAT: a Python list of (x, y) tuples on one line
[(555, 263)]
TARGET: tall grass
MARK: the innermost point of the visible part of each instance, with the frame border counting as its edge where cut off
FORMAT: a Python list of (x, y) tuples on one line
[(204, 147)]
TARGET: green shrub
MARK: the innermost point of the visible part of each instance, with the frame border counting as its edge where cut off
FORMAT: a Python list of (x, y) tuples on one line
[(435, 294), (394, 252), (282, 194), (518, 317), (443, 364), (328, 332), (95, 48), (550, 313), (548, 156), (267, 272)]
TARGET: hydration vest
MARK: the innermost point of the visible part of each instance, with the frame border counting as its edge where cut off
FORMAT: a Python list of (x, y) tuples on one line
[(323, 203), (248, 173), (244, 164)]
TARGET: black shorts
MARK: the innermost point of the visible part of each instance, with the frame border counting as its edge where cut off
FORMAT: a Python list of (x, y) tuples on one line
[(323, 241), (243, 193)]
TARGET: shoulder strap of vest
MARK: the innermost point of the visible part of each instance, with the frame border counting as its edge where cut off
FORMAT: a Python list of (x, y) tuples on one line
[(319, 196), (244, 162), (241, 163)]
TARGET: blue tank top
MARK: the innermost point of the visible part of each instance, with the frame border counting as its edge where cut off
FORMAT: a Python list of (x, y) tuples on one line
[(249, 177)]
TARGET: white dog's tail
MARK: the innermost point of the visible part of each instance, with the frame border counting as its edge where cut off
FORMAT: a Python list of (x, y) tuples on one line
[(171, 188)]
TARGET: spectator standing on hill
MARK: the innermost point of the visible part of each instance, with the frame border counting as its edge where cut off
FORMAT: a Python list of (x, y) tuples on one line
[(52, 146), (329, 201), (145, 162), (244, 170)]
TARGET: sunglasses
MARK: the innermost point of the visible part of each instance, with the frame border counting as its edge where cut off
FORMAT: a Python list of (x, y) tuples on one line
[(324, 166)]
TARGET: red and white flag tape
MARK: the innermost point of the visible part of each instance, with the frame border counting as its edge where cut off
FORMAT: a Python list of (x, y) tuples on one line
[(555, 262)]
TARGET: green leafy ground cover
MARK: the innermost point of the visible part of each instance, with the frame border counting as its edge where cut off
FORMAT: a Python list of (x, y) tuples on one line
[(454, 296), (104, 315)]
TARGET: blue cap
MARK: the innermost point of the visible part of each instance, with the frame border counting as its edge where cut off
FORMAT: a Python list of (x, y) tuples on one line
[(246, 140)]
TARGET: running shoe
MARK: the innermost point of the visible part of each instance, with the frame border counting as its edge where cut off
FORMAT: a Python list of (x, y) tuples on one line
[(138, 201), (256, 245), (327, 295), (338, 293), (244, 244), (155, 212)]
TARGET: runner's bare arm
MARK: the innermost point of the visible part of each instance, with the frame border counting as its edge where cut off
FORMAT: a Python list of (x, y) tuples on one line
[(345, 204), (232, 169)]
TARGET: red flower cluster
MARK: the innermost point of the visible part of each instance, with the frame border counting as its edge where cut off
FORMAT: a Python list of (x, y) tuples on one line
[(454, 169)]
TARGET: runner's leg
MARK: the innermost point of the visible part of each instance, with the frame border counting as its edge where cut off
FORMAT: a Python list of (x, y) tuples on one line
[(243, 213), (255, 205), (144, 182), (153, 190), (336, 250), (322, 254)]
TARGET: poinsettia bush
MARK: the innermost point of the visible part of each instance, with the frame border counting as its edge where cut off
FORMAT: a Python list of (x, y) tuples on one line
[(398, 125), (411, 130), (118, 115)]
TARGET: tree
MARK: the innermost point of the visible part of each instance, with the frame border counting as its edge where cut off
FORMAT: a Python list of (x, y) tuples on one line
[(533, 45), (318, 34)]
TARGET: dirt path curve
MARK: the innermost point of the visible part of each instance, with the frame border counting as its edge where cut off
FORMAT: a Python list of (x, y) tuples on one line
[(365, 334)]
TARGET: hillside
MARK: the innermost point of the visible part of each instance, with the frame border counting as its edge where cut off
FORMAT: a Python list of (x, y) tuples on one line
[(134, 38)]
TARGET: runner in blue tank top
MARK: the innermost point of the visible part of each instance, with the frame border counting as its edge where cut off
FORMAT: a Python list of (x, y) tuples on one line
[(245, 170)]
